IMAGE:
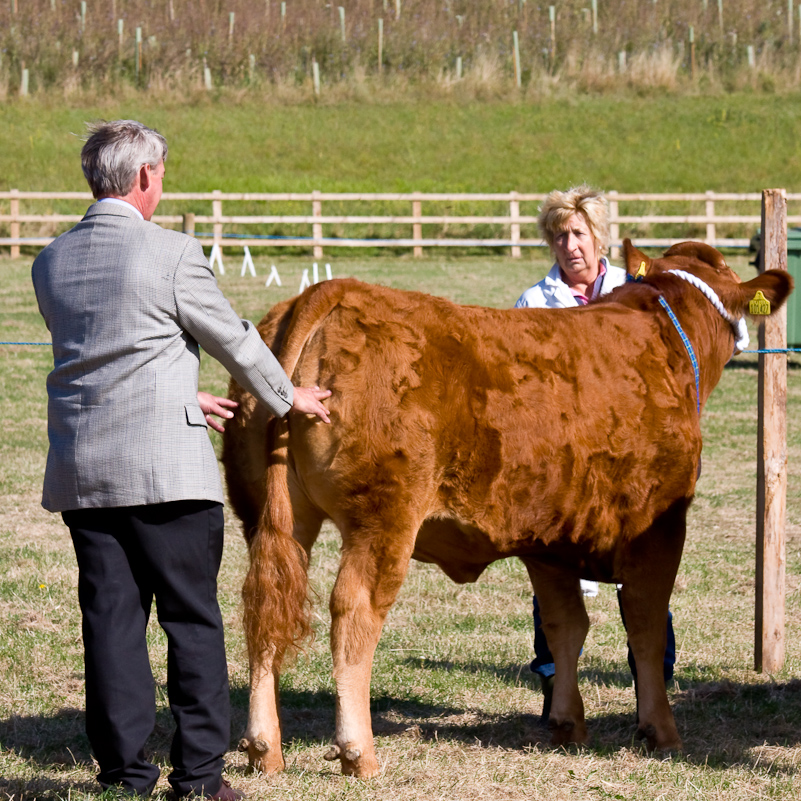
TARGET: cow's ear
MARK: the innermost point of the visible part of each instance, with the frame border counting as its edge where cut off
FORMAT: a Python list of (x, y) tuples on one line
[(701, 251), (637, 263), (763, 295)]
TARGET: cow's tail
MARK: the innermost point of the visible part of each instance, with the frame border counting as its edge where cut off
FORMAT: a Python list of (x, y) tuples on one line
[(277, 608), (275, 593)]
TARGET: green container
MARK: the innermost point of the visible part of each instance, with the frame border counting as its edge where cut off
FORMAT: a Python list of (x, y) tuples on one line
[(794, 268)]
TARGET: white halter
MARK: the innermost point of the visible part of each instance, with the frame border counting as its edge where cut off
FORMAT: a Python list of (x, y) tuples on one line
[(738, 326)]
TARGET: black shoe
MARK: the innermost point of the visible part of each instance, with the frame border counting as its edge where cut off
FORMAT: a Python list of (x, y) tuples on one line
[(227, 793)]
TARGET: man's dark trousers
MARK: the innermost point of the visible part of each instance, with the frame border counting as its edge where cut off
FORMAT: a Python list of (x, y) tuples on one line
[(126, 557)]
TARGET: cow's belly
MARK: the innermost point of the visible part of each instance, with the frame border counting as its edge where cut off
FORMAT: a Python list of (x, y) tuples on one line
[(463, 551)]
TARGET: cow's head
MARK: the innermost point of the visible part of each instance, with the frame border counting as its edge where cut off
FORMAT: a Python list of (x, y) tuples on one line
[(708, 264)]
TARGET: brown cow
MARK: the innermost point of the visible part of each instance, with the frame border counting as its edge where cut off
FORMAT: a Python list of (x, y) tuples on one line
[(463, 435)]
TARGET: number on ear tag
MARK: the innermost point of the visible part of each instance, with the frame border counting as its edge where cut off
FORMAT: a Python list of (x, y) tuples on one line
[(641, 271), (759, 305)]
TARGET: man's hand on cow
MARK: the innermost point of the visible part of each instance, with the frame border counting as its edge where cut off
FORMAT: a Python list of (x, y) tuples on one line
[(220, 407), (306, 400)]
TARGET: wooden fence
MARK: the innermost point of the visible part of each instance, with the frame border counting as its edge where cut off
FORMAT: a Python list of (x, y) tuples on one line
[(630, 215)]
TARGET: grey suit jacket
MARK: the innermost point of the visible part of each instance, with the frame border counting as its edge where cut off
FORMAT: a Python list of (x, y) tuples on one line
[(127, 303)]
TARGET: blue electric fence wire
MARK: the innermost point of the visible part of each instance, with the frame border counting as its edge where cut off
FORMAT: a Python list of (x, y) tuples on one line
[(766, 350), (773, 350)]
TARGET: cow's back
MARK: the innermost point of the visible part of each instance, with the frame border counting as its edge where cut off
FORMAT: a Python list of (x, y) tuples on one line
[(523, 425)]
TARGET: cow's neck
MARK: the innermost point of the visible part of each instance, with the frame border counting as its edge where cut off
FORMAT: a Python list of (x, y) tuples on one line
[(738, 326), (710, 329)]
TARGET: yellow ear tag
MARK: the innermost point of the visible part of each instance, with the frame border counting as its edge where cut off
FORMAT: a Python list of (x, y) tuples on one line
[(641, 271), (759, 305)]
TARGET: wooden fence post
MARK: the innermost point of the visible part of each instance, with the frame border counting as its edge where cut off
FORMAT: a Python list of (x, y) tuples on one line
[(14, 223), (614, 225), (189, 224), (711, 234), (771, 451), (417, 228), (216, 213), (380, 45), (514, 214), (317, 228), (138, 54)]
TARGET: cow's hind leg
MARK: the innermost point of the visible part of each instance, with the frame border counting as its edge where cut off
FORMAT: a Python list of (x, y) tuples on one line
[(565, 623), (645, 598), (372, 570), (262, 737)]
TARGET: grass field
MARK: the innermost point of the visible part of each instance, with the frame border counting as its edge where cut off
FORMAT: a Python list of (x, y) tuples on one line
[(728, 143), (455, 709), (734, 143)]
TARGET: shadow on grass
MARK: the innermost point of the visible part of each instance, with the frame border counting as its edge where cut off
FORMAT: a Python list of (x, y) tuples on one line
[(721, 721), (43, 789), (721, 724), (513, 674)]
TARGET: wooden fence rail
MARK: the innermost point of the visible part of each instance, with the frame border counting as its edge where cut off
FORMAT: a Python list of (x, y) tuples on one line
[(514, 221)]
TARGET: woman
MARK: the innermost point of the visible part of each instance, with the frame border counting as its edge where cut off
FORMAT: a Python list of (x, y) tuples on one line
[(575, 224)]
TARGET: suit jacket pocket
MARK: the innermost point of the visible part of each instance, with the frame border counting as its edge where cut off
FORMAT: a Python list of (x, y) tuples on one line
[(195, 416)]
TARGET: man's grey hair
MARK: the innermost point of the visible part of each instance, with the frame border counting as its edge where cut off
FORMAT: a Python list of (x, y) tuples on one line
[(115, 151)]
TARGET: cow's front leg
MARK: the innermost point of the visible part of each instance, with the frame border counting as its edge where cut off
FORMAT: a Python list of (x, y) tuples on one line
[(370, 576), (262, 738), (565, 624)]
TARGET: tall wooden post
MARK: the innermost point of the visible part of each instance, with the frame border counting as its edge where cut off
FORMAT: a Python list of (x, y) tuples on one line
[(771, 451)]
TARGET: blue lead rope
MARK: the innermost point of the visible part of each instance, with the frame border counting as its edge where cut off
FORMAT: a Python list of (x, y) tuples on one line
[(690, 351)]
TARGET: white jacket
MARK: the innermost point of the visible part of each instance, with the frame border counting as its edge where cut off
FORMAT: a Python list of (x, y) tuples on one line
[(553, 293)]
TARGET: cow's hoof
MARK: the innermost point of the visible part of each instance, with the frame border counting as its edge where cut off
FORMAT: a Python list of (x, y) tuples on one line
[(332, 753), (669, 744), (261, 758), (567, 732), (355, 763)]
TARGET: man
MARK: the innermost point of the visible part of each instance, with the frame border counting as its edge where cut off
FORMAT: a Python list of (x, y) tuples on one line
[(130, 465)]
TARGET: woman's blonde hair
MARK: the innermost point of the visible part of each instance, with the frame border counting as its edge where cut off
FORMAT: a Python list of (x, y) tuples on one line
[(559, 207)]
